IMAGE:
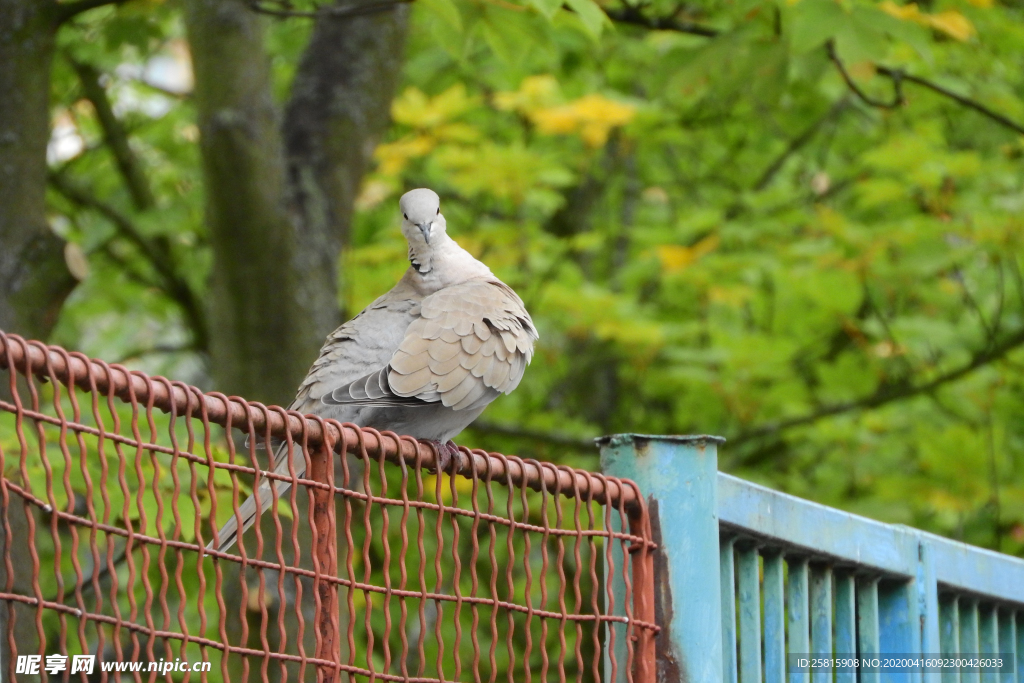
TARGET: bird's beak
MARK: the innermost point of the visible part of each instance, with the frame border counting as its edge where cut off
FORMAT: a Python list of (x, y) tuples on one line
[(425, 229)]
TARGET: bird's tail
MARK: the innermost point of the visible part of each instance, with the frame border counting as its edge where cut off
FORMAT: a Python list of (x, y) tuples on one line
[(230, 532)]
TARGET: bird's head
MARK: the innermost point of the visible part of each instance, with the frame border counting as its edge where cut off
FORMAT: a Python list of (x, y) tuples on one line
[(422, 222)]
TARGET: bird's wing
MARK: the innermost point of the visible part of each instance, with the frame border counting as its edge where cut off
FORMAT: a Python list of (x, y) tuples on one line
[(359, 347), (469, 343)]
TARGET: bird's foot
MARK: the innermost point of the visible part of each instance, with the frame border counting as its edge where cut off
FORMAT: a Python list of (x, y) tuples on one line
[(446, 453)]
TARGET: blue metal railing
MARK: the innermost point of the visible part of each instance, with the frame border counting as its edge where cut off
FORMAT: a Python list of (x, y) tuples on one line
[(749, 580)]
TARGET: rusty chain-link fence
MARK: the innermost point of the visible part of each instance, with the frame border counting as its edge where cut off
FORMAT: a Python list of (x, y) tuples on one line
[(373, 566)]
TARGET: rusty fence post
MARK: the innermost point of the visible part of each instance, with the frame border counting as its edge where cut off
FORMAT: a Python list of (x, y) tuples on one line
[(325, 558), (643, 597), (678, 478)]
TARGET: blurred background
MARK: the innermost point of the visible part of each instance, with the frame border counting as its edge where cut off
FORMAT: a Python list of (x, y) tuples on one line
[(795, 224)]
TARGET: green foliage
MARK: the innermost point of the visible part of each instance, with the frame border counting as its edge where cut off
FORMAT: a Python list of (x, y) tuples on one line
[(714, 234)]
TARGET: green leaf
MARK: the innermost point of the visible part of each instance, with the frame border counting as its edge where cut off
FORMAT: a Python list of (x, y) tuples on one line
[(547, 7), (861, 38), (812, 22), (590, 13), (446, 11), (769, 71), (504, 47)]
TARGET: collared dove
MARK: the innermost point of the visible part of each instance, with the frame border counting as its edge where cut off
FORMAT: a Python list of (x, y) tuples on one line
[(423, 360)]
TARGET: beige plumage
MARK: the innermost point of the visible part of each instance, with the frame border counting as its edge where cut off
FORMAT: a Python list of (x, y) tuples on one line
[(425, 359)]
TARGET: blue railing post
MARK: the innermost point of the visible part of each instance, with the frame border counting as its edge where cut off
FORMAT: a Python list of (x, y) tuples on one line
[(678, 475), (928, 597)]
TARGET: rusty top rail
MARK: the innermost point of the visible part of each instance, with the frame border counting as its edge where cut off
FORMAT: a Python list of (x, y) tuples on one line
[(34, 357)]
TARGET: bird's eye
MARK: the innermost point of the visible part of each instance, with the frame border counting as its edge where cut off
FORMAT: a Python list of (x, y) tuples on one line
[(406, 216), (439, 211)]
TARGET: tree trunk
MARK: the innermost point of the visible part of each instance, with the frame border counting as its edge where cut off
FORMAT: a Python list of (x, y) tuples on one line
[(274, 286), (339, 108), (277, 234), (261, 343), (34, 280)]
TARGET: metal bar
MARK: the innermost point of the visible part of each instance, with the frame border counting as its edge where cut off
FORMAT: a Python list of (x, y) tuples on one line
[(868, 642), (949, 633), (749, 594), (807, 528), (798, 613), (1007, 642), (928, 599), (678, 476), (804, 527), (1019, 650), (643, 599), (33, 357), (988, 637), (774, 618), (846, 623), (727, 572), (977, 570), (821, 618), (325, 558), (969, 637), (899, 624)]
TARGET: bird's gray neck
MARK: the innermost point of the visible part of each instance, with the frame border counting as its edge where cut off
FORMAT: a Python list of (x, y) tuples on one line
[(442, 263)]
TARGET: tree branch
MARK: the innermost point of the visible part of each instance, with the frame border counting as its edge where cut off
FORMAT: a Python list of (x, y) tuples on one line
[(896, 75), (283, 9), (796, 143), (888, 393), (67, 11), (97, 574), (115, 135), (173, 94), (959, 99), (634, 15), (132, 273), (173, 285), (158, 349)]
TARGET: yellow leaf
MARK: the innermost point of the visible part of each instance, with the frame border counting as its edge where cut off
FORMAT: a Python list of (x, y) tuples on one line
[(555, 120), (862, 71), (655, 194), (983, 4), (675, 257), (599, 109), (372, 194), (534, 92), (413, 108), (950, 22), (953, 24), (731, 296), (392, 157), (457, 132), (592, 116), (594, 134), (906, 12), (406, 107)]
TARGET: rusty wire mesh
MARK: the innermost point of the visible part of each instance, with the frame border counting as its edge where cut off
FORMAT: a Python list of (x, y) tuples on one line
[(372, 565)]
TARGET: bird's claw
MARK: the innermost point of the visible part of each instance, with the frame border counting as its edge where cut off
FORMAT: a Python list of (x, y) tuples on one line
[(446, 454)]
